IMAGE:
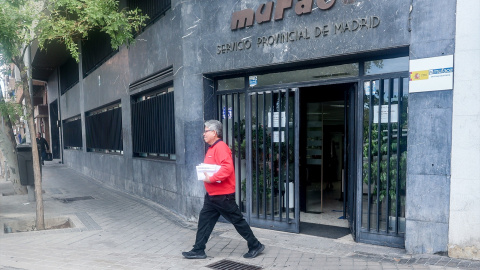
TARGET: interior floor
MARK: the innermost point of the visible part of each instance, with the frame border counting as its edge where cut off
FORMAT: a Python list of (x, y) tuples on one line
[(332, 213)]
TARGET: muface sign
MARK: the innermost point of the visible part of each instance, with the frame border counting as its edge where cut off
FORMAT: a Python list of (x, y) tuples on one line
[(244, 18), (315, 31)]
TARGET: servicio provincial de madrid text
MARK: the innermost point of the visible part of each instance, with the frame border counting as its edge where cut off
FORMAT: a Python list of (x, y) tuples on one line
[(302, 34)]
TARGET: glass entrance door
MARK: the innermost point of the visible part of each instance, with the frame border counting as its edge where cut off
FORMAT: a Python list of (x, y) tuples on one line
[(262, 127), (272, 159)]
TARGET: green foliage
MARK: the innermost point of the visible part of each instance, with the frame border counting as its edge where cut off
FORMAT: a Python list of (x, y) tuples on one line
[(64, 21), (369, 65), (17, 20), (13, 110), (239, 145), (270, 174), (69, 21), (382, 171)]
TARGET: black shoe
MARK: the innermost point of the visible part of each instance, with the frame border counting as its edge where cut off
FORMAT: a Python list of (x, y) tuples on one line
[(254, 252), (194, 254)]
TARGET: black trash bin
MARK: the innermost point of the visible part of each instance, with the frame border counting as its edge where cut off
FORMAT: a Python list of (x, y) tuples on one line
[(25, 164)]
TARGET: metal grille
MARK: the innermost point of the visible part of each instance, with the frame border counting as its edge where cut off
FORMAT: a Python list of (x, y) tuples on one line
[(95, 51), (273, 155), (232, 115), (153, 8), (272, 185), (104, 130), (384, 155), (68, 75), (153, 125), (72, 133), (231, 265)]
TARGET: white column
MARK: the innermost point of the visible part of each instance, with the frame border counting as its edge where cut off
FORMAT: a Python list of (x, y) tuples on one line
[(464, 222)]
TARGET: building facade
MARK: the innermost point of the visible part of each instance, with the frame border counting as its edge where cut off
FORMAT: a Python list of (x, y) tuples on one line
[(343, 106)]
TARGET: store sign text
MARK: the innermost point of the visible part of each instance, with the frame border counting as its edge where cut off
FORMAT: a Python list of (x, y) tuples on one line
[(244, 18), (321, 31)]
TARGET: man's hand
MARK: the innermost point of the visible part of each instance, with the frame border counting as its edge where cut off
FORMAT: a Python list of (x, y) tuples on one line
[(207, 179)]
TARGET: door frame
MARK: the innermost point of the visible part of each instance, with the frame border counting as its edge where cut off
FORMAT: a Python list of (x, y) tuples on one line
[(349, 94)]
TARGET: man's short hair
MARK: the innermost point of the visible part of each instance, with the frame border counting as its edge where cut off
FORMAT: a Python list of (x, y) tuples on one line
[(216, 126)]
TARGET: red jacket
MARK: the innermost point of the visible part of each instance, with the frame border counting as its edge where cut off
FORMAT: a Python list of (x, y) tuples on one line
[(219, 153)]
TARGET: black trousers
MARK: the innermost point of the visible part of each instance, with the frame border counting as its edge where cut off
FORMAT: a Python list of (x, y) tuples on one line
[(225, 205)]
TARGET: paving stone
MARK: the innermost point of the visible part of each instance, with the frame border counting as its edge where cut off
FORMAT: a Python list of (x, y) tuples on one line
[(121, 231)]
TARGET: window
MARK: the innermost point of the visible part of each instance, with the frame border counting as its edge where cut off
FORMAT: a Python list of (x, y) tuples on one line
[(386, 65), (230, 84), (95, 51), (314, 74), (72, 133), (104, 130), (153, 124), (153, 8), (68, 75)]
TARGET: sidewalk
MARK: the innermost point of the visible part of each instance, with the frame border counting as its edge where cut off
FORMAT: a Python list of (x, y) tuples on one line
[(114, 230)]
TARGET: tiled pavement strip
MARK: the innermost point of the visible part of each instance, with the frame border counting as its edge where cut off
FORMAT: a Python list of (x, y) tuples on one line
[(115, 230)]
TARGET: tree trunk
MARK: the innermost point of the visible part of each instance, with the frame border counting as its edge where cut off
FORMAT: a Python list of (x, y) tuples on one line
[(2, 170), (40, 220), (9, 151)]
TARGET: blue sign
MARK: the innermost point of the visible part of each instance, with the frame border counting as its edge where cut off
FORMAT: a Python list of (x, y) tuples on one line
[(252, 80)]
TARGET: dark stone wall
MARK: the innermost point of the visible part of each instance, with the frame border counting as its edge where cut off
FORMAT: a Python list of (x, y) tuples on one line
[(428, 171), (429, 134), (214, 20), (70, 102)]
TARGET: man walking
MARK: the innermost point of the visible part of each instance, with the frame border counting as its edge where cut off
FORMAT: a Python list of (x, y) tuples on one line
[(42, 146), (220, 197)]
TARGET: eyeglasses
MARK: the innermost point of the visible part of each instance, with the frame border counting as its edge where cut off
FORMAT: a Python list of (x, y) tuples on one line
[(207, 131)]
